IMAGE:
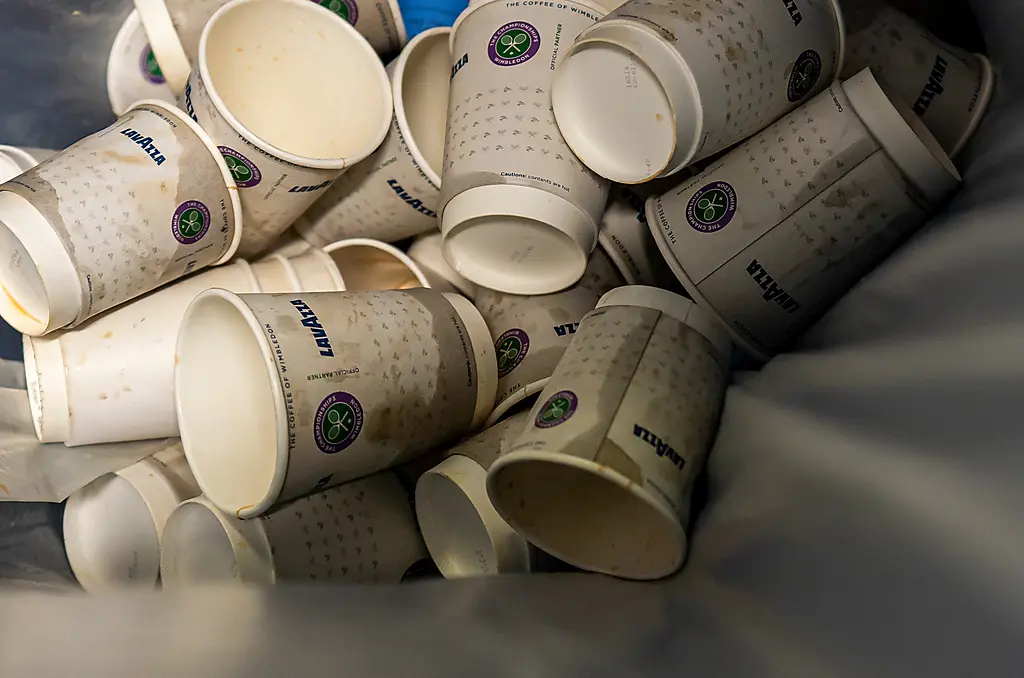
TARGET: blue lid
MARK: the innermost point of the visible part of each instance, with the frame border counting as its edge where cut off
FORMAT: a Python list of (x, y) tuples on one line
[(421, 15)]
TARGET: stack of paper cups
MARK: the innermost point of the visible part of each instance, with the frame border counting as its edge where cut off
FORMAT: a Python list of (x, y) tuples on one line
[(363, 532), (271, 388), (426, 251), (532, 333), (369, 265), (601, 477), (656, 86), (122, 212), (464, 534), (14, 161), (949, 88), (771, 235), (286, 130), (519, 213), (132, 69), (113, 526), (393, 194)]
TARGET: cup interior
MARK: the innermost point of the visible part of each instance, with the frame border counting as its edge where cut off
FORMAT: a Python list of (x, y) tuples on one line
[(23, 300), (298, 78), (227, 403), (197, 548), (366, 268), (424, 94), (587, 517), (453, 529)]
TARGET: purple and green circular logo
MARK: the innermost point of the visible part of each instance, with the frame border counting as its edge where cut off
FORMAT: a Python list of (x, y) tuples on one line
[(150, 68), (346, 9), (337, 423), (511, 347), (712, 207), (805, 74), (244, 171), (190, 222), (557, 409), (514, 43)]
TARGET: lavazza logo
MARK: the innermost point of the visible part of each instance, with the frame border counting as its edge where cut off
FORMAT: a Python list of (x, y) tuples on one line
[(933, 88), (310, 320)]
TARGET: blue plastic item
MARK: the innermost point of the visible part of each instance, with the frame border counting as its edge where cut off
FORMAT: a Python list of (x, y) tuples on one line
[(421, 15)]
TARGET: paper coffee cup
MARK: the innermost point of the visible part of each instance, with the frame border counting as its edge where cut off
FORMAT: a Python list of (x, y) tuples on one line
[(112, 526), (531, 333), (947, 87), (317, 272), (363, 532), (369, 265), (519, 213), (393, 194), (771, 235), (270, 388), (286, 129), (602, 475), (628, 242), (464, 534), (112, 379), (689, 81), (14, 161), (122, 212), (426, 251), (133, 73), (275, 275)]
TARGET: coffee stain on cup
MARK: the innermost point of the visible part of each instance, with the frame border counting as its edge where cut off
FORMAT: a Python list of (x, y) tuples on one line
[(734, 52), (19, 308), (838, 198)]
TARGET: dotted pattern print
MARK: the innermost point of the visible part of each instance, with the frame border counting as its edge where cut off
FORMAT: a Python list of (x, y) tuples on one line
[(485, 448), (753, 45), (501, 128), (773, 174), (363, 532), (670, 412), (780, 284), (404, 356), (112, 198), (388, 197)]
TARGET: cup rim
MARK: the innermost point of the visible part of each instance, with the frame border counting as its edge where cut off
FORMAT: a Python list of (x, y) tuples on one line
[(267, 147), (399, 100), (383, 246), (984, 99), (516, 397), (165, 42), (473, 6)]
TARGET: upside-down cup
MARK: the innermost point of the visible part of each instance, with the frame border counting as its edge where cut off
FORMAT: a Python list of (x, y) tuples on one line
[(133, 72), (464, 534), (776, 231), (947, 87), (122, 212), (286, 130), (519, 213), (112, 378), (602, 475), (271, 388), (363, 532), (689, 81), (426, 251), (393, 194), (531, 333), (368, 265), (113, 525)]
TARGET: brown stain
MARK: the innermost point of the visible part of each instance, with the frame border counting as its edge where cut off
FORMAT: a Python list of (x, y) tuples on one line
[(177, 360), (163, 186), (103, 396), (19, 308), (128, 159), (658, 117), (3, 488), (108, 334), (838, 198), (127, 389), (238, 513), (239, 49), (735, 52)]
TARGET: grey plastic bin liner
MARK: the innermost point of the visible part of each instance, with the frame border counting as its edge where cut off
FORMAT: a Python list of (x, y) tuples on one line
[(865, 513)]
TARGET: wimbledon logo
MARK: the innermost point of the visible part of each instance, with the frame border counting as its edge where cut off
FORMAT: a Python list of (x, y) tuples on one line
[(558, 409), (511, 347), (150, 68), (190, 222), (346, 9), (243, 171), (712, 207), (514, 43), (804, 77), (338, 422)]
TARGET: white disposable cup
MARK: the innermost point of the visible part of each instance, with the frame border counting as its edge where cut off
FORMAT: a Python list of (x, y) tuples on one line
[(133, 73), (270, 388), (628, 242), (122, 212), (393, 194), (363, 532), (368, 265), (426, 252), (772, 234), (947, 87), (519, 213), (286, 129), (464, 534), (112, 379), (656, 86), (601, 477), (275, 275), (531, 333), (14, 161), (316, 272), (290, 244), (112, 526)]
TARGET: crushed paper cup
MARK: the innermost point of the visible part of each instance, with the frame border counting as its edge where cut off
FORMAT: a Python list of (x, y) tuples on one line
[(133, 72), (426, 251)]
